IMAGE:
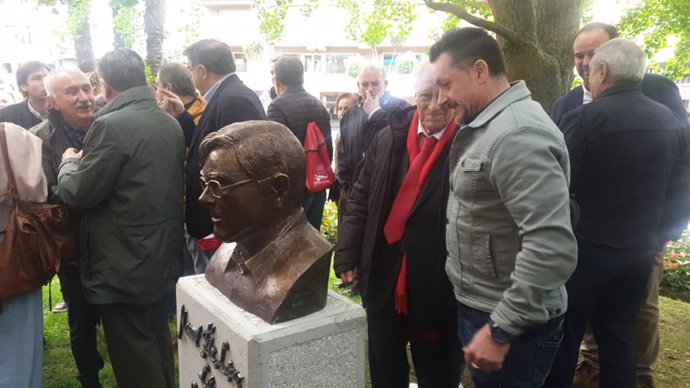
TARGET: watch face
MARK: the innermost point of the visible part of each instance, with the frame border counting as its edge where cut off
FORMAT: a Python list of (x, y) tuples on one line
[(499, 335)]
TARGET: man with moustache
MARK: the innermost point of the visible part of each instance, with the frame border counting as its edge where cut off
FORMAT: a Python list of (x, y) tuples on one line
[(392, 238), (70, 113)]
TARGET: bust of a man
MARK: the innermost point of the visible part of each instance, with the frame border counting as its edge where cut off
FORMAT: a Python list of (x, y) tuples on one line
[(273, 264)]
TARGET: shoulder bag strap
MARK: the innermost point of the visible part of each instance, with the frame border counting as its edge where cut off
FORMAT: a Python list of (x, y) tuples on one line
[(11, 183)]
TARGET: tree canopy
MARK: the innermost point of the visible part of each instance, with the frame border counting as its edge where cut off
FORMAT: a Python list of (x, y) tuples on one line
[(657, 21)]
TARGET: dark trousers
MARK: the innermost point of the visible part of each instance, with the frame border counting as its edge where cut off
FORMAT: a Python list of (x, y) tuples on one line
[(435, 348), (606, 290), (82, 318), (530, 356), (313, 208), (139, 345)]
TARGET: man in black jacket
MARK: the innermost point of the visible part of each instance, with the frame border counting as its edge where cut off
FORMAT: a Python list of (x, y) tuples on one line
[(294, 108), (663, 91), (70, 113), (630, 176), (228, 101), (396, 246), (361, 123), (33, 109)]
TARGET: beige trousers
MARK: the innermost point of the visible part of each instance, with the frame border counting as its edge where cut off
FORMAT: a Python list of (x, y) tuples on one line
[(646, 330)]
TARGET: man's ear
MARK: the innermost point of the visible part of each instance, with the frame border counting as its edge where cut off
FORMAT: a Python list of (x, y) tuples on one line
[(203, 72), (280, 185), (51, 103), (604, 71), (24, 88), (481, 70)]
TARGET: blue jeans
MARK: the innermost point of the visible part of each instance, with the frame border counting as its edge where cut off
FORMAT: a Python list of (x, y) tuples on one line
[(529, 360)]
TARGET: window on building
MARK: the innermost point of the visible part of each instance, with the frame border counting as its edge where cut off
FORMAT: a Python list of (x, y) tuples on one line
[(241, 62), (313, 63), (335, 64)]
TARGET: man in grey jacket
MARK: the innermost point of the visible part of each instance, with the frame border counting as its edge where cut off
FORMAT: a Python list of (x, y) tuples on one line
[(510, 244)]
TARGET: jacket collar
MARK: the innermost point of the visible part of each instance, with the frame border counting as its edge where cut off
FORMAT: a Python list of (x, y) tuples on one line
[(128, 97), (517, 91), (619, 90)]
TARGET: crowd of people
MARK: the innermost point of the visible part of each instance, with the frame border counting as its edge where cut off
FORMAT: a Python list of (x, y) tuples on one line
[(480, 230)]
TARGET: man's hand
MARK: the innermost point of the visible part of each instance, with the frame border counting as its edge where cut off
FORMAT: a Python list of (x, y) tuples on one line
[(71, 153), (484, 353), (371, 103), (348, 277), (170, 102)]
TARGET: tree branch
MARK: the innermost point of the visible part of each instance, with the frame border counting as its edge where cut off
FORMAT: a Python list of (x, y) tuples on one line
[(508, 34)]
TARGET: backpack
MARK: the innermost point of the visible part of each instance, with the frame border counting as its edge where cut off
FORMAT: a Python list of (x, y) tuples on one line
[(320, 175)]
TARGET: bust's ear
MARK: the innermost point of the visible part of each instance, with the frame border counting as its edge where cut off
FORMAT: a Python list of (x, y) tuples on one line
[(280, 185)]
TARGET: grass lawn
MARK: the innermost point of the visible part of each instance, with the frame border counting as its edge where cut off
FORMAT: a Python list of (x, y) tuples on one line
[(672, 367)]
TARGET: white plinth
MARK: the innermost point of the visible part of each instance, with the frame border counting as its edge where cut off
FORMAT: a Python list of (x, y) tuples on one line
[(323, 349)]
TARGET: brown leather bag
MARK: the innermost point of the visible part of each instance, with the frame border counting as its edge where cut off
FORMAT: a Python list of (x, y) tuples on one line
[(37, 236)]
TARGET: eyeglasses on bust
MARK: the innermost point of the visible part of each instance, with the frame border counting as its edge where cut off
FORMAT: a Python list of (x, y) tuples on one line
[(217, 191)]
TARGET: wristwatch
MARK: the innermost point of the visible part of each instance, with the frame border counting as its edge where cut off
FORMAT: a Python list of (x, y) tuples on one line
[(499, 335)]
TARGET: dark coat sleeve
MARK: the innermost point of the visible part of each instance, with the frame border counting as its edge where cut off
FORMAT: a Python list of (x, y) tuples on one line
[(354, 222), (676, 211), (186, 121)]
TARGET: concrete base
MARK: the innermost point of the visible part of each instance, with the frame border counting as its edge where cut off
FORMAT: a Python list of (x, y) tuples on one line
[(221, 345)]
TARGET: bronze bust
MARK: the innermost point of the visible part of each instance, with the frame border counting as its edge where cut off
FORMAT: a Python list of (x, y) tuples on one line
[(273, 263)]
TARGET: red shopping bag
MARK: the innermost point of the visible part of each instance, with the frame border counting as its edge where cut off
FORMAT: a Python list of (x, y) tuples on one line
[(320, 175)]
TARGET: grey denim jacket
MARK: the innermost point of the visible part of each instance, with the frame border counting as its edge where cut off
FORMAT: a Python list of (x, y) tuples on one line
[(510, 243)]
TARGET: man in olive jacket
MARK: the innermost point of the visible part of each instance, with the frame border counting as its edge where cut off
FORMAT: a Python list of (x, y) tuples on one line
[(128, 183)]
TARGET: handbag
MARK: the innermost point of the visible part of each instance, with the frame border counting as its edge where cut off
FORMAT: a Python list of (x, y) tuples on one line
[(320, 175), (37, 237)]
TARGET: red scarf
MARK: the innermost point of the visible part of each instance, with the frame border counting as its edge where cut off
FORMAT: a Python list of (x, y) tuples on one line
[(413, 150)]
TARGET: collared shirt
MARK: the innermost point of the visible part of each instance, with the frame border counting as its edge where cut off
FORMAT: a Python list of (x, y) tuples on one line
[(209, 95), (34, 111), (586, 95), (421, 130)]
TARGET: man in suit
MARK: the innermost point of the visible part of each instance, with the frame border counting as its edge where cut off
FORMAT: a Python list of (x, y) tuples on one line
[(295, 108), (663, 91), (630, 177), (228, 101), (392, 238), (34, 108)]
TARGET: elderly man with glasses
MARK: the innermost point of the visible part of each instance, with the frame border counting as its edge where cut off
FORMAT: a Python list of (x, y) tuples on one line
[(393, 240)]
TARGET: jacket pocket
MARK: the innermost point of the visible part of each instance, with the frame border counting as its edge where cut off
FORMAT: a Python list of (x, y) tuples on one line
[(482, 256)]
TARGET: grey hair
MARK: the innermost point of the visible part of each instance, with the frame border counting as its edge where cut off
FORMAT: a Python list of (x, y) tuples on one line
[(625, 59), (49, 79), (424, 75), (373, 67)]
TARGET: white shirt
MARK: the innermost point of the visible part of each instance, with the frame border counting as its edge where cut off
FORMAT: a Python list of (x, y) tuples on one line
[(586, 96), (437, 135)]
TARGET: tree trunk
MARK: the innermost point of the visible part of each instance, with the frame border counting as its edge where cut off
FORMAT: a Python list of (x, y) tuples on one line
[(154, 22), (79, 12), (118, 38), (536, 37)]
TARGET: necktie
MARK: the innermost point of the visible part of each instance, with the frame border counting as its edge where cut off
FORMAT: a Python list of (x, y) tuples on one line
[(409, 191)]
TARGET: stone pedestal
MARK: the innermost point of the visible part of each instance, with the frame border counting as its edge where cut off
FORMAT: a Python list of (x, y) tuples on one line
[(221, 345)]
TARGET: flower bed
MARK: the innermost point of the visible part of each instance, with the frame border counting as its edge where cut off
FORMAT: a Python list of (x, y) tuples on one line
[(677, 264)]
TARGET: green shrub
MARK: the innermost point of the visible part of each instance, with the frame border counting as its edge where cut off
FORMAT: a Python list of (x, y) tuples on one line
[(677, 264), (329, 224)]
